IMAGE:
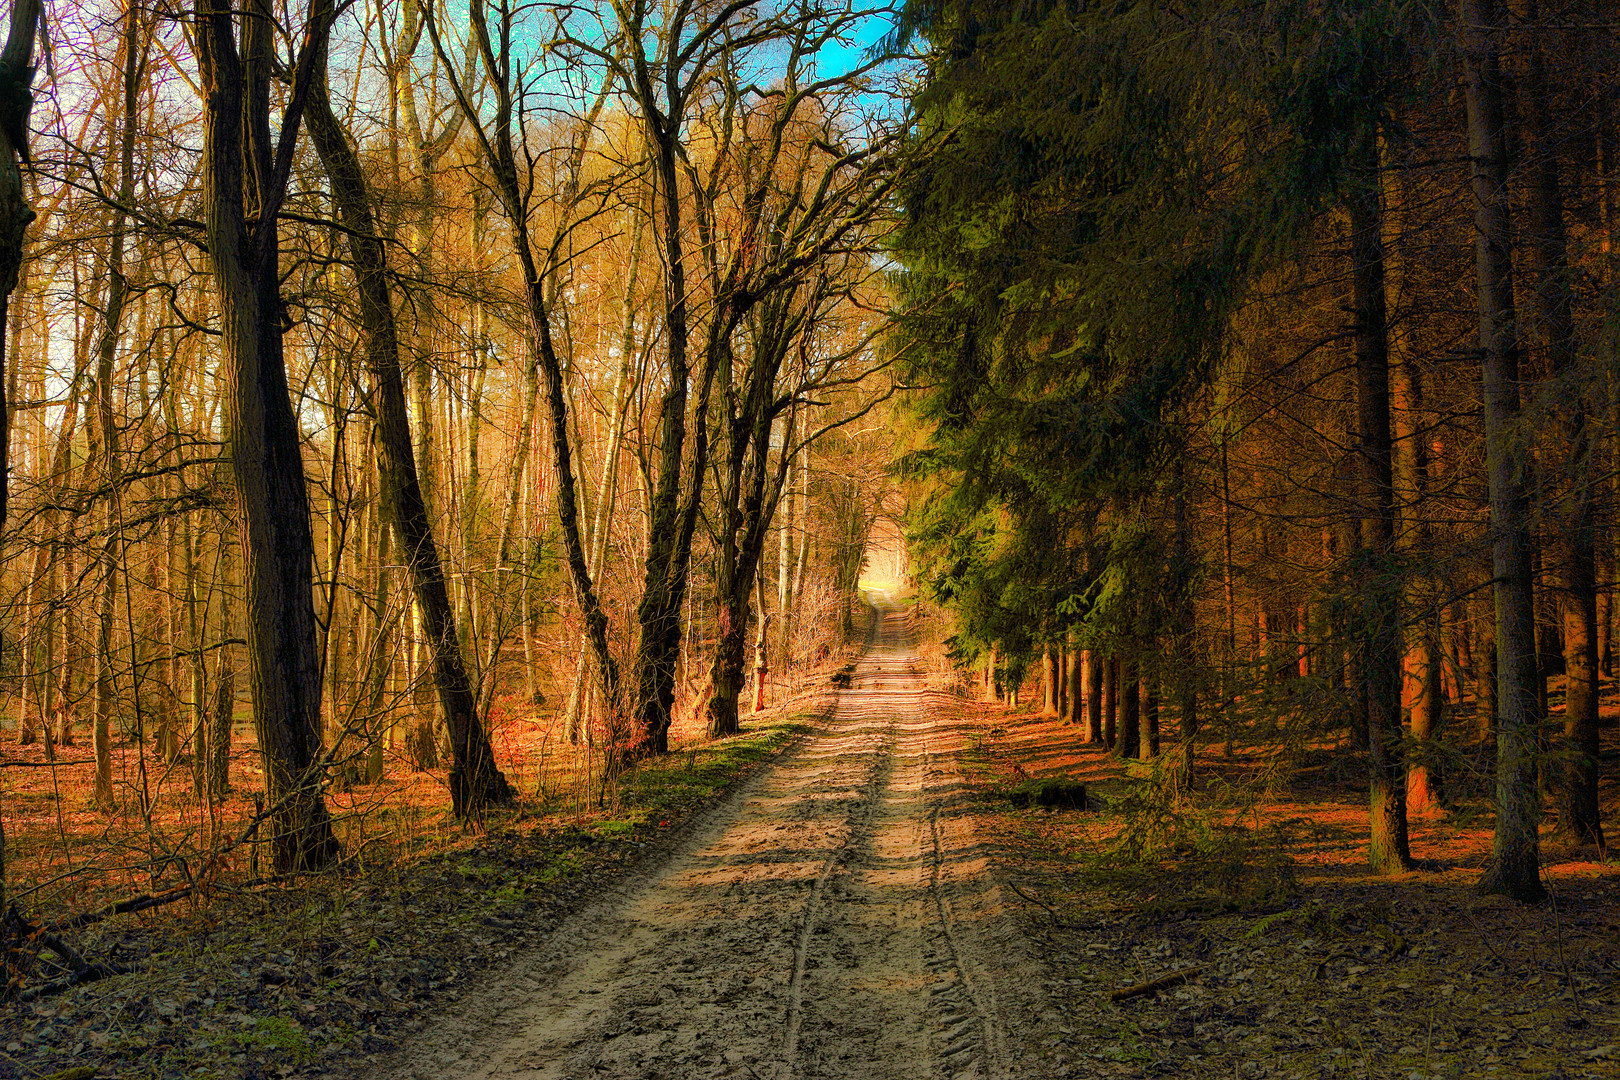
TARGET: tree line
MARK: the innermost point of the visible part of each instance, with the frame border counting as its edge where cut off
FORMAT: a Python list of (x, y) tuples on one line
[(1267, 355), (393, 359)]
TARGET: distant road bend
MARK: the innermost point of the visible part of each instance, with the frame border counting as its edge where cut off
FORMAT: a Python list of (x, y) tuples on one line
[(836, 917)]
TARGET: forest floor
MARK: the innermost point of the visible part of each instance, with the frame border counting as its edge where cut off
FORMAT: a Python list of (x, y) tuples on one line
[(248, 977), (1299, 963), (872, 904)]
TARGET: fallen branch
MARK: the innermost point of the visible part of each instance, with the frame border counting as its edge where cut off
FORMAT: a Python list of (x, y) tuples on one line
[(134, 903), (89, 974), (84, 971), (1153, 986)]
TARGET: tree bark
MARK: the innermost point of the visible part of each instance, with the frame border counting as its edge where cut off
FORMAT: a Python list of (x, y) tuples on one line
[(1110, 702), (1487, 675), (16, 78), (1422, 690), (1049, 683), (761, 660), (749, 487), (1515, 864), (1130, 711), (1094, 696), (1150, 721), (65, 735), (1186, 632), (222, 702), (1074, 696), (106, 702)]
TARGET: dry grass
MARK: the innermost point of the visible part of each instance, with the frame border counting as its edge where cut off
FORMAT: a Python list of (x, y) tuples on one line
[(66, 855)]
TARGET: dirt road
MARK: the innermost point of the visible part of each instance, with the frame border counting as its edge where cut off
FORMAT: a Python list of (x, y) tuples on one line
[(835, 918)]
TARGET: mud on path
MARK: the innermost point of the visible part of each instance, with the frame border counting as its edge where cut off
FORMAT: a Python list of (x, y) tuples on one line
[(837, 917)]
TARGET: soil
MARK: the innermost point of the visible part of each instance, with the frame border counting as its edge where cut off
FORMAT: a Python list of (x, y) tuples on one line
[(838, 918)]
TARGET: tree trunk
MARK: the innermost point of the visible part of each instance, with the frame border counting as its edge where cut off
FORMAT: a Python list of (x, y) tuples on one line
[(475, 781), (784, 569), (240, 156), (1605, 622), (1049, 682), (195, 673), (1379, 663), (1422, 693), (106, 702), (1187, 631), (726, 668), (1576, 785), (1515, 865), (49, 557), (222, 702), (17, 70), (71, 656), (1130, 711), (1110, 703), (384, 623), (761, 665), (1485, 703), (1150, 721), (1094, 696), (1074, 695)]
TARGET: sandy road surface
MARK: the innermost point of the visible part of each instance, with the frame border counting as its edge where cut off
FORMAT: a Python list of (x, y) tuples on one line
[(835, 918)]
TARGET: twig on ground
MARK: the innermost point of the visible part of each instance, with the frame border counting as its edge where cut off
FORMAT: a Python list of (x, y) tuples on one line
[(1569, 976), (89, 974), (1153, 986), (1320, 968), (1486, 941), (1056, 919)]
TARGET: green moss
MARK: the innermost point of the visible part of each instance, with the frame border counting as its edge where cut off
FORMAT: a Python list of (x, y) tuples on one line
[(276, 1033), (1057, 792)]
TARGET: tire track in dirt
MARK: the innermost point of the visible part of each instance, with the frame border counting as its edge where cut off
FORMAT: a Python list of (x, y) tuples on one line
[(836, 918)]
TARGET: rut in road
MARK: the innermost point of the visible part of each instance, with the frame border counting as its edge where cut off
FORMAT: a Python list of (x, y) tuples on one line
[(835, 918)]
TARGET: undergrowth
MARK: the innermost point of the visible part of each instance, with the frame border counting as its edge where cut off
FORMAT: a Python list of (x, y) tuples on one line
[(1182, 851)]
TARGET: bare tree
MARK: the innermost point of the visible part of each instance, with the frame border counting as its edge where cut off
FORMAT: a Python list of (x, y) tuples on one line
[(475, 781), (245, 173), (16, 99)]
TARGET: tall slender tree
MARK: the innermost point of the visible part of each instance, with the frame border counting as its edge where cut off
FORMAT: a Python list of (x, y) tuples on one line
[(475, 781), (245, 173), (1515, 865)]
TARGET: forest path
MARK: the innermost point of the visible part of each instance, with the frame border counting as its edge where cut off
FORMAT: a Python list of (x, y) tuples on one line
[(836, 917)]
